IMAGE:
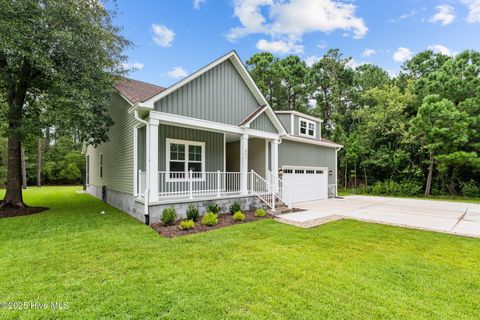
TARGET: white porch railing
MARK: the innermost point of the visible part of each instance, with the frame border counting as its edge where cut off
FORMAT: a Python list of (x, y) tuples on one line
[(197, 184), (194, 184), (262, 189), (282, 188)]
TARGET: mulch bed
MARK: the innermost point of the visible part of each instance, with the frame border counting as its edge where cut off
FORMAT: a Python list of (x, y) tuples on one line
[(224, 220), (16, 212)]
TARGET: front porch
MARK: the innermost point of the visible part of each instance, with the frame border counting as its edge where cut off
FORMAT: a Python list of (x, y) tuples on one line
[(177, 164)]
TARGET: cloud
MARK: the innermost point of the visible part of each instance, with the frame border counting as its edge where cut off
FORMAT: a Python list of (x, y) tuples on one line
[(198, 3), (162, 35), (287, 21), (410, 14), (177, 72), (473, 10), (311, 60), (354, 63), (367, 53), (322, 45), (134, 66), (438, 48), (402, 54), (445, 15), (279, 46)]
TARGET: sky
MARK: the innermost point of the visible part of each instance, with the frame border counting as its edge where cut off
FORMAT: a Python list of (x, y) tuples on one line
[(174, 38)]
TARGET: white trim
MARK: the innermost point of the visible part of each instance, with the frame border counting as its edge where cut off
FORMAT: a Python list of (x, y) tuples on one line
[(292, 124), (135, 161), (87, 170), (271, 115), (336, 173), (187, 122), (224, 152), (305, 167), (307, 128), (238, 64), (187, 144), (300, 114), (311, 141), (267, 156)]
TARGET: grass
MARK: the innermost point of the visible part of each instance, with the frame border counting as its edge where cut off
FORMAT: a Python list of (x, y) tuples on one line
[(451, 198), (111, 266)]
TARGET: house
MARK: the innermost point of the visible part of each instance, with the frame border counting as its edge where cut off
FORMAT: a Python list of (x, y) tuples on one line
[(210, 137)]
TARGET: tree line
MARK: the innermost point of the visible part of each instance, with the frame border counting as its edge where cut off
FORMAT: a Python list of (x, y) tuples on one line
[(416, 132)]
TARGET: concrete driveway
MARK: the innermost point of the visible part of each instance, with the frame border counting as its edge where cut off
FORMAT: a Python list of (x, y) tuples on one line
[(451, 217)]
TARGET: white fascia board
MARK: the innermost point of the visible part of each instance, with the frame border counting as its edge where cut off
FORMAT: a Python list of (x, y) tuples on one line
[(309, 141), (187, 122), (300, 114), (272, 116)]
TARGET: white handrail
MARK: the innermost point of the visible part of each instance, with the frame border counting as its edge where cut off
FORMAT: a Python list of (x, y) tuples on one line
[(262, 189), (283, 190)]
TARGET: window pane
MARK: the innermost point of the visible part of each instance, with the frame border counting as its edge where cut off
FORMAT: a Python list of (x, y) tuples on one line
[(177, 151), (303, 130), (177, 166), (195, 153), (195, 167)]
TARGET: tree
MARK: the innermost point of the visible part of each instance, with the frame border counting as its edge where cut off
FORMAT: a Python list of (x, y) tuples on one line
[(291, 72), (441, 128), (262, 68), (331, 80), (64, 51)]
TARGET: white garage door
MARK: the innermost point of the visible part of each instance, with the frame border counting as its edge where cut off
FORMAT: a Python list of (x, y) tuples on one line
[(306, 183)]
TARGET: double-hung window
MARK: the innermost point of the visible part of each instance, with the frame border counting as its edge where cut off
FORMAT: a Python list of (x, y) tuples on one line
[(183, 157), (308, 128)]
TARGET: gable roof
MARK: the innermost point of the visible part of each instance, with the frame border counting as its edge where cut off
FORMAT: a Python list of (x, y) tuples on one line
[(265, 109), (137, 91), (237, 63), (300, 114)]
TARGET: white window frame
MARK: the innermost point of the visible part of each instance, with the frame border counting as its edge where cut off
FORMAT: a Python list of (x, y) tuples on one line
[(101, 167), (308, 122), (87, 169), (187, 144)]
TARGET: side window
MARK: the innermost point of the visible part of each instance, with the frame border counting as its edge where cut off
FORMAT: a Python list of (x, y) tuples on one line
[(101, 165), (87, 175)]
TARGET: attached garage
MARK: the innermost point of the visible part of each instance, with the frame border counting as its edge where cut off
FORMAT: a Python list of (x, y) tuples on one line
[(306, 183)]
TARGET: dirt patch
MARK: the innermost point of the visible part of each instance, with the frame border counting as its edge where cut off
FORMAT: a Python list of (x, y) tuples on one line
[(224, 220), (9, 212)]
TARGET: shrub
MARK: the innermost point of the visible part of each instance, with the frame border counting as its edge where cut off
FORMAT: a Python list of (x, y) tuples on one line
[(213, 207), (235, 207), (210, 219), (187, 225), (169, 215), (470, 189), (410, 188), (192, 213), (260, 212), (238, 216)]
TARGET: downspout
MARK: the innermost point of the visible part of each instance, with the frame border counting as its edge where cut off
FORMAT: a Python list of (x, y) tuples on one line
[(146, 195)]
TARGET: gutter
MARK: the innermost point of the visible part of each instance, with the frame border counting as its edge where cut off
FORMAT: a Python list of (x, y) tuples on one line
[(147, 182)]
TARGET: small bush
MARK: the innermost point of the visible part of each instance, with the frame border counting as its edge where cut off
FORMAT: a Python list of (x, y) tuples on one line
[(169, 215), (210, 219), (238, 216), (235, 207), (260, 212), (470, 189), (213, 207), (187, 225), (192, 213)]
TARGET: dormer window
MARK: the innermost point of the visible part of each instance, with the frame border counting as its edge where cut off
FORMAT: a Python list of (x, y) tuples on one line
[(308, 128)]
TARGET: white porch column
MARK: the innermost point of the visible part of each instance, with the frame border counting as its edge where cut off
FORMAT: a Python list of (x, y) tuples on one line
[(153, 158), (244, 164), (274, 164)]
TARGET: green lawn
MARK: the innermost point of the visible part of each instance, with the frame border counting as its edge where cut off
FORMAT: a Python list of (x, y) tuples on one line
[(111, 266)]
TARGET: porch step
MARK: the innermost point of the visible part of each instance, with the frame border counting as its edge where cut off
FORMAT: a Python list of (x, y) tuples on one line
[(280, 210)]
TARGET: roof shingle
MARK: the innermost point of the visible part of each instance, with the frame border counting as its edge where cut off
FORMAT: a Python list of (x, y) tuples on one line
[(137, 91)]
